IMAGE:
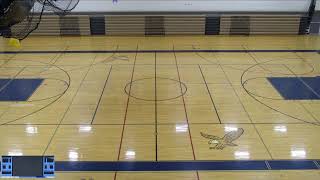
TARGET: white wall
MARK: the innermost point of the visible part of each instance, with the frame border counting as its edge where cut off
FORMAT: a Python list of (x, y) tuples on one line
[(193, 5), (318, 5)]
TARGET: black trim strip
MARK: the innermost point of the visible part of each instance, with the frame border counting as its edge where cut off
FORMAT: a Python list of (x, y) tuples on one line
[(163, 51)]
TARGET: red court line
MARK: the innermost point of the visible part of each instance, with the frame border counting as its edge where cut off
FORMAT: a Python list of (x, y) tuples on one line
[(185, 109), (126, 112)]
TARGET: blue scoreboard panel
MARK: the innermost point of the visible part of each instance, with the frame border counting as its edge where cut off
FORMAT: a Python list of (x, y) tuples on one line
[(27, 166)]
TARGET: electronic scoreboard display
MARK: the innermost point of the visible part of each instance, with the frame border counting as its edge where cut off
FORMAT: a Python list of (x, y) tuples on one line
[(27, 166)]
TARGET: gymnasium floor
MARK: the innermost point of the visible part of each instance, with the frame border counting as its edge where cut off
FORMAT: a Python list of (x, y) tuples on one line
[(165, 99)]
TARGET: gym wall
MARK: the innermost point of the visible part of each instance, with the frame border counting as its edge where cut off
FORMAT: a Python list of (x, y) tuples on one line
[(178, 17)]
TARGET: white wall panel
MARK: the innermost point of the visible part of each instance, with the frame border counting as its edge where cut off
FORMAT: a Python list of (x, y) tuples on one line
[(193, 5)]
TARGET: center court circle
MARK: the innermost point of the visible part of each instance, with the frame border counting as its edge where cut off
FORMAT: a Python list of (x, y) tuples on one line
[(155, 89)]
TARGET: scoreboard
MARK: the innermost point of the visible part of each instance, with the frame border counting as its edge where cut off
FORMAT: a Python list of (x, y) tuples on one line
[(27, 166)]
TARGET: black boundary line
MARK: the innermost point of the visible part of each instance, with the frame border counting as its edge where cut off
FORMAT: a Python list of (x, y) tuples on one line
[(158, 51), (214, 105), (185, 110), (155, 103), (126, 112), (171, 13), (245, 64), (104, 87), (244, 108), (60, 122), (150, 102)]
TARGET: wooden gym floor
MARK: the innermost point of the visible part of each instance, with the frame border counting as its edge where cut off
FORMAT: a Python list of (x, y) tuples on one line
[(165, 99)]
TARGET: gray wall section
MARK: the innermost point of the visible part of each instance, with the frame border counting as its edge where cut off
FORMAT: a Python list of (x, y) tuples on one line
[(240, 25), (69, 25), (259, 24), (125, 25), (154, 25)]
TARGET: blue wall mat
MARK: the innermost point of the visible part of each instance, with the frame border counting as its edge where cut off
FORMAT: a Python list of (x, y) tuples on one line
[(212, 25), (18, 89), (292, 88), (97, 25)]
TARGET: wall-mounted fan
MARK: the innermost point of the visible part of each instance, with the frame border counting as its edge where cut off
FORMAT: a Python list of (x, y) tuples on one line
[(27, 14)]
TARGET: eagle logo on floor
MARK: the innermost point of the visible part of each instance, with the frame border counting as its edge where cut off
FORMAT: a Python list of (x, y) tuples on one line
[(216, 142)]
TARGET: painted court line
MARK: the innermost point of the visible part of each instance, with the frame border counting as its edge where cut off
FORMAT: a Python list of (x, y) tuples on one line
[(292, 165), (66, 166), (160, 51), (317, 163)]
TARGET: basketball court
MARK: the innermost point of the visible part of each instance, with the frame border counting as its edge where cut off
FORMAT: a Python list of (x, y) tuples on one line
[(247, 105)]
